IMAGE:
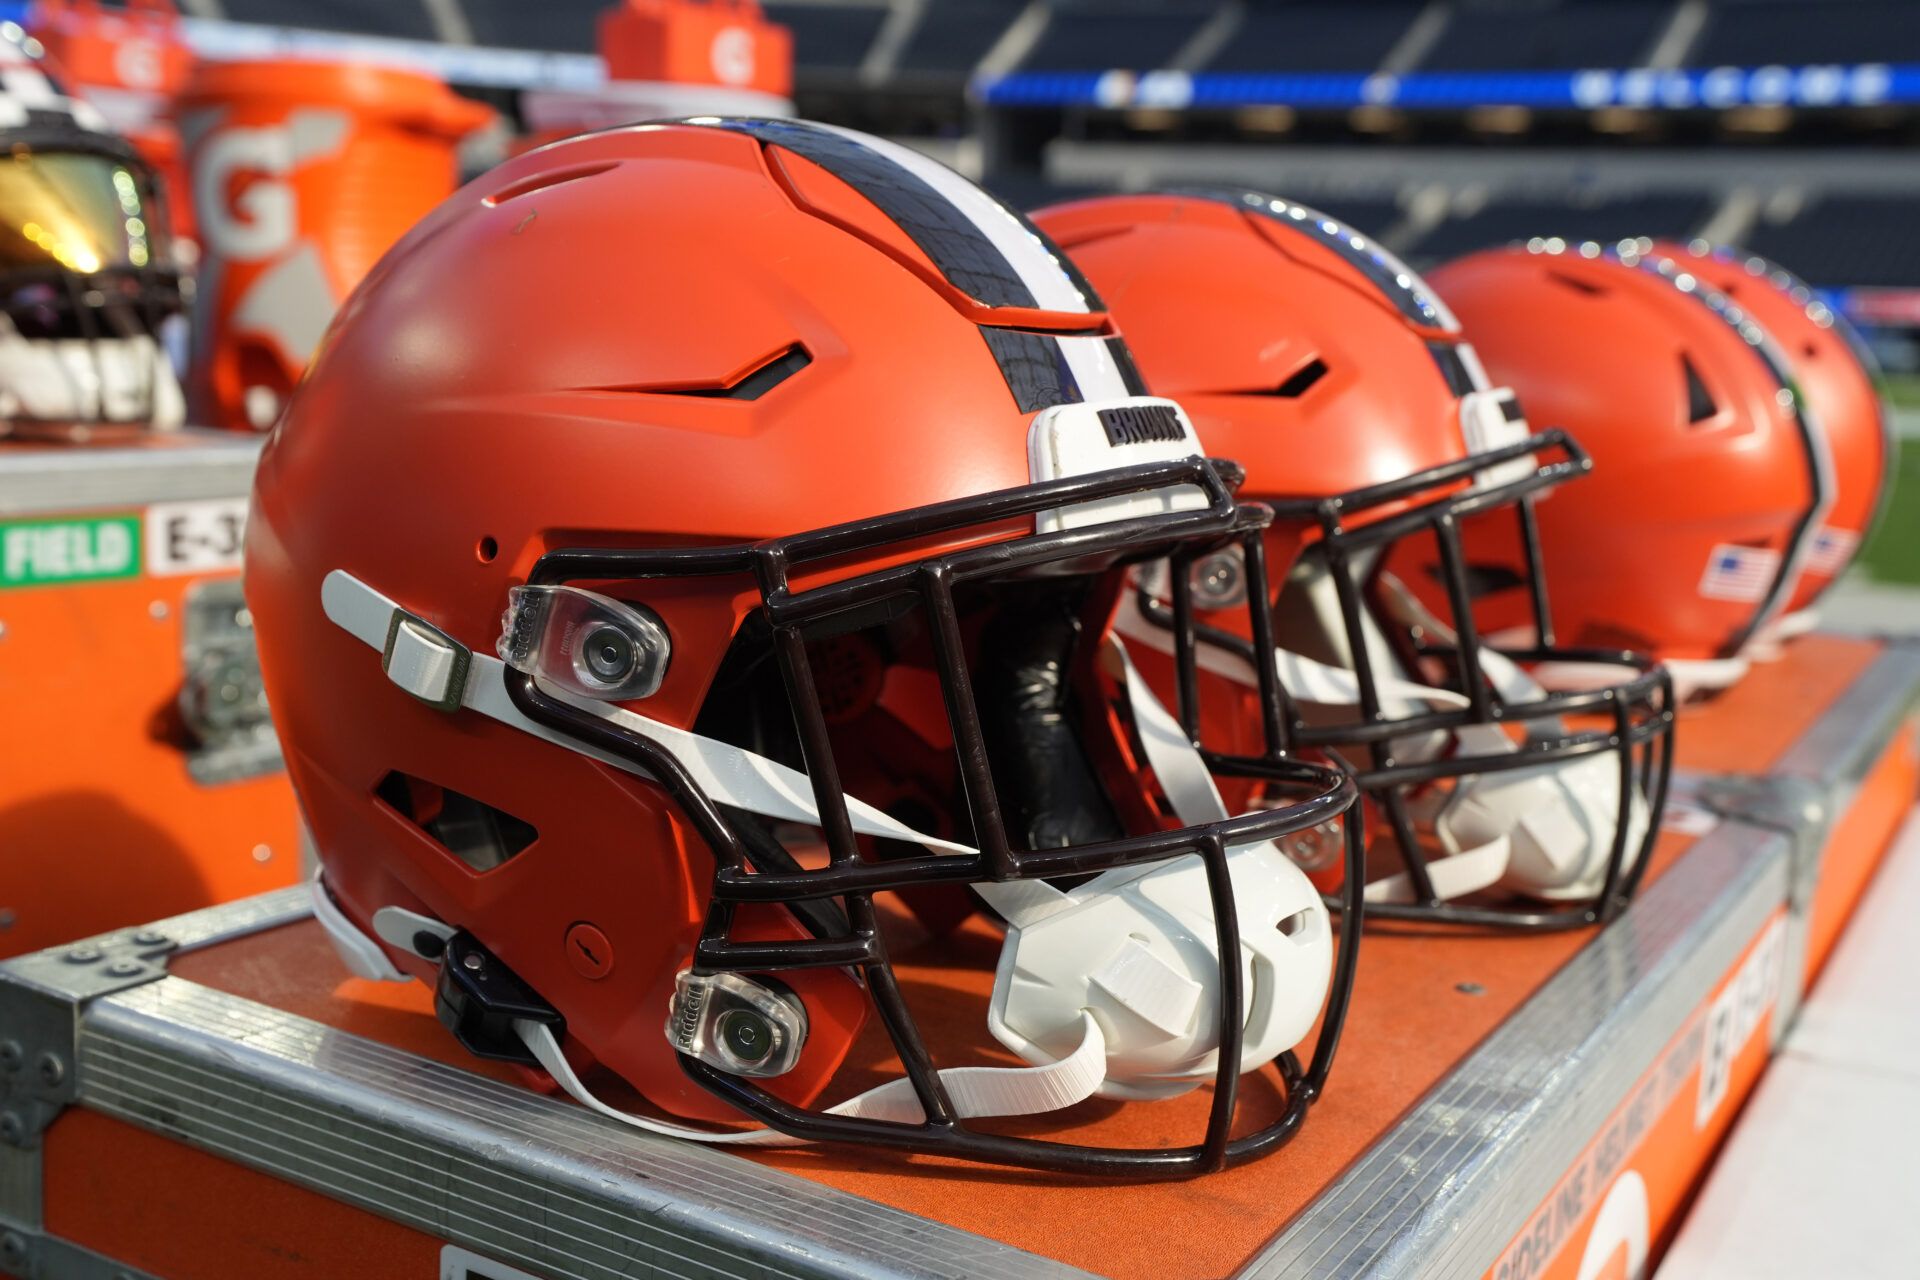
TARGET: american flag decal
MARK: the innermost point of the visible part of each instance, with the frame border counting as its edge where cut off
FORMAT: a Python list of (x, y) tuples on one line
[(1739, 573), (1831, 551)]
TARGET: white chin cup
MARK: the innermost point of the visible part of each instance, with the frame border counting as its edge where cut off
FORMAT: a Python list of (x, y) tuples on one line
[(88, 380), (1136, 948), (1559, 819)]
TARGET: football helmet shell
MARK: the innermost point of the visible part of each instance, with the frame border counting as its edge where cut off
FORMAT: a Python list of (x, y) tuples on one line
[(1330, 372), (689, 401), (1840, 378), (1711, 470)]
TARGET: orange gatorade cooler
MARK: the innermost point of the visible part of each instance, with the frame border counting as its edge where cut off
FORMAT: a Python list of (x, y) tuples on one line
[(723, 42), (130, 62), (139, 771), (668, 58), (303, 173)]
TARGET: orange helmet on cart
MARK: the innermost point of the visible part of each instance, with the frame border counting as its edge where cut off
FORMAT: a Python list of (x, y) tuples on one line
[(1711, 471), (778, 447), (1328, 370), (1840, 378)]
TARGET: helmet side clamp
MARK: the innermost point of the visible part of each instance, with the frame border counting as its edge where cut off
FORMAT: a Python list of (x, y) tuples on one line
[(479, 999)]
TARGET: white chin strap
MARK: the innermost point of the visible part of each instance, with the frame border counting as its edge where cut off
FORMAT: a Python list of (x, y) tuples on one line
[(1112, 988), (1544, 831), (1691, 676), (117, 379), (1770, 643)]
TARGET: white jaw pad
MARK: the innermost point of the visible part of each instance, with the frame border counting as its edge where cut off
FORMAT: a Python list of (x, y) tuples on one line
[(1557, 820), (1102, 435), (1544, 831), (1136, 946), (1143, 960)]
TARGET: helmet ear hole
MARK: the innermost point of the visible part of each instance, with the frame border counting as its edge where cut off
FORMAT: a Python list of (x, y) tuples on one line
[(1700, 405), (479, 835), (486, 549)]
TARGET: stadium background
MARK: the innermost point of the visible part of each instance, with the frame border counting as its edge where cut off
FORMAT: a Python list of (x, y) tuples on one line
[(1788, 127)]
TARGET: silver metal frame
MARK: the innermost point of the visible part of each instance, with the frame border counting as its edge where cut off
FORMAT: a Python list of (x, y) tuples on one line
[(542, 1185), (1445, 1191), (192, 463)]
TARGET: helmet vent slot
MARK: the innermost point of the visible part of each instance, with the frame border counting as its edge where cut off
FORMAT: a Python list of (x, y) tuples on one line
[(1295, 925), (544, 180), (763, 378), (1303, 378), (1700, 405), (1577, 285), (473, 831)]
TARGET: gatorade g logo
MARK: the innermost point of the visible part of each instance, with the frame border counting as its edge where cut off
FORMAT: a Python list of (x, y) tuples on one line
[(240, 182), (246, 212), (139, 65), (732, 55)]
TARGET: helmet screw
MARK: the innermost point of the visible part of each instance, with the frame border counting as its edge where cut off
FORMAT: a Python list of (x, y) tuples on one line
[(11, 1055), (52, 1069), (589, 952), (126, 968), (472, 961), (85, 953)]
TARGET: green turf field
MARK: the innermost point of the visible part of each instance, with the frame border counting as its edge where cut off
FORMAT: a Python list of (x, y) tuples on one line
[(1892, 554)]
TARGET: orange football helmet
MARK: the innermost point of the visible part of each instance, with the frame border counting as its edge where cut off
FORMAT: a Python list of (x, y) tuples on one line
[(1711, 472), (795, 462), (1838, 374), (1326, 368)]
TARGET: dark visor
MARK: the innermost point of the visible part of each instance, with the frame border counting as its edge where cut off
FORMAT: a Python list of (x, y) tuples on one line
[(79, 210)]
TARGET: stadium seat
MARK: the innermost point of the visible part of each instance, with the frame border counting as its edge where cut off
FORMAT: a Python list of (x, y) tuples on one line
[(951, 37), (404, 18), (1799, 32), (1095, 35), (829, 38), (561, 26), (1569, 216), (1585, 33), (1846, 240), (1319, 36)]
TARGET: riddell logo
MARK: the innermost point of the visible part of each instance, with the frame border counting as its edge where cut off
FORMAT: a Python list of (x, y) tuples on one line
[(1142, 424)]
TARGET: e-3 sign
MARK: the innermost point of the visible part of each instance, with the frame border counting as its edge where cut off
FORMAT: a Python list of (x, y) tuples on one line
[(167, 538)]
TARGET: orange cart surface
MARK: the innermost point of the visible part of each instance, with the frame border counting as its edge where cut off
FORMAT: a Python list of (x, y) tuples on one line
[(139, 775), (229, 1104)]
